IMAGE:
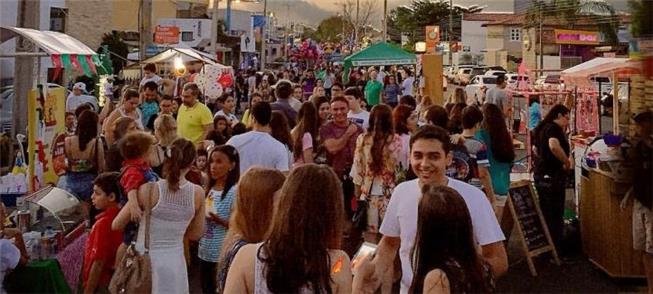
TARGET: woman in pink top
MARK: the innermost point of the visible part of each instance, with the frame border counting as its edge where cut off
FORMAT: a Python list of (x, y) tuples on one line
[(305, 134)]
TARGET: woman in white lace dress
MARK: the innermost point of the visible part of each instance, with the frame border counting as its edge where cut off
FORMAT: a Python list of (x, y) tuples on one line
[(177, 210)]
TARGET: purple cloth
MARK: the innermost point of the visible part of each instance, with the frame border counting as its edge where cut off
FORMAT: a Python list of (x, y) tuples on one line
[(71, 260)]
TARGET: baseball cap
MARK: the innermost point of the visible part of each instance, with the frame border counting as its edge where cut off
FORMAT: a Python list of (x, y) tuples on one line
[(80, 86)]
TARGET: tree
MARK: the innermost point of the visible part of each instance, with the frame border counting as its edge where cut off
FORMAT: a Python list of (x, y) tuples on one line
[(411, 20), (642, 22), (332, 29), (361, 19), (568, 12), (117, 46)]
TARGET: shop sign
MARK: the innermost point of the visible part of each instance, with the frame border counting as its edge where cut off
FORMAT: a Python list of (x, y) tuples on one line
[(432, 38), (572, 37), (166, 35)]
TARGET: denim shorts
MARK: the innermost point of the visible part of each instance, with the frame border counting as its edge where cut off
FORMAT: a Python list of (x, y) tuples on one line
[(80, 184)]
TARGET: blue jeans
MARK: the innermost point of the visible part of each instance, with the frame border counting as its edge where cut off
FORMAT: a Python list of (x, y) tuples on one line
[(80, 184)]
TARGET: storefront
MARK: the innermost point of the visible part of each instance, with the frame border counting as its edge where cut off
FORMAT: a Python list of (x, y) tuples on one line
[(576, 46)]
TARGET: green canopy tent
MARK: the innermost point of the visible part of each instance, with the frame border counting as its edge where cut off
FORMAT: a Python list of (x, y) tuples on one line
[(378, 54)]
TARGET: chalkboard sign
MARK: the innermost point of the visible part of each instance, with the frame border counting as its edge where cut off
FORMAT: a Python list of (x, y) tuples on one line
[(528, 217), (531, 226)]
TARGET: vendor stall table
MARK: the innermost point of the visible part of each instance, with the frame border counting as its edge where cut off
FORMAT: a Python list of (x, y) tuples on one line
[(606, 229), (41, 276)]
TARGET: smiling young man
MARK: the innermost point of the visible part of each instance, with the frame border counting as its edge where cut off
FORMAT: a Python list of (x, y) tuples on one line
[(429, 158)]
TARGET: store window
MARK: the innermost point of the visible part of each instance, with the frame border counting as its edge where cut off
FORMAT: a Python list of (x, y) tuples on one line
[(515, 35), (186, 36), (57, 19)]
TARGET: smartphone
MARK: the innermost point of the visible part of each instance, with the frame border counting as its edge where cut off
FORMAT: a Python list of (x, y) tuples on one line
[(366, 249)]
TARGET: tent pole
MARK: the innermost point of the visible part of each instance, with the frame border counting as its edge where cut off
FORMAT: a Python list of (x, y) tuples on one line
[(33, 54)]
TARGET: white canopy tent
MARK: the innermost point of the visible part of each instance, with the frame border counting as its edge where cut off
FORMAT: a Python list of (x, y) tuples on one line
[(49, 42), (579, 75), (186, 55)]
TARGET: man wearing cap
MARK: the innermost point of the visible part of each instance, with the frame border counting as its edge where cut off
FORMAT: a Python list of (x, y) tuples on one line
[(642, 160), (78, 97)]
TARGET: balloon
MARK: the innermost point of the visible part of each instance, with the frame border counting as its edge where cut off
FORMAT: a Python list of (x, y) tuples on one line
[(226, 80)]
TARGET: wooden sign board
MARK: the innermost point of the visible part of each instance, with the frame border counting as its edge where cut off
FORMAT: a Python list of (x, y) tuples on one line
[(531, 226)]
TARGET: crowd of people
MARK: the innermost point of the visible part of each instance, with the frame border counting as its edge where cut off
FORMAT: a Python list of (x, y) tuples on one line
[(277, 196)]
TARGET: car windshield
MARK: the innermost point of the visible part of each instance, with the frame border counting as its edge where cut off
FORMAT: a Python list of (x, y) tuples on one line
[(489, 80), (466, 71)]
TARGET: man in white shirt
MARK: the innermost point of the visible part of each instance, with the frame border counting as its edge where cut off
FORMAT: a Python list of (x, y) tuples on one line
[(407, 84), (78, 97), (430, 156), (258, 147), (356, 113)]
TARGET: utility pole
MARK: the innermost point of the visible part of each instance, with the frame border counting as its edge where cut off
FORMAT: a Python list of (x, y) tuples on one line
[(24, 75), (356, 25), (214, 28), (263, 37), (145, 28), (541, 43), (385, 20), (450, 34)]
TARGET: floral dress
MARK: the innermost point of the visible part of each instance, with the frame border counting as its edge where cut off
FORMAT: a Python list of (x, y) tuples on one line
[(376, 188)]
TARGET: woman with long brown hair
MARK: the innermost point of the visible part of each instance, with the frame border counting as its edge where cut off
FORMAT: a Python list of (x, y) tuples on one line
[(121, 127), (375, 161), (176, 211), (258, 191), (301, 252), (494, 134), (445, 259), (280, 130), (305, 135), (405, 123)]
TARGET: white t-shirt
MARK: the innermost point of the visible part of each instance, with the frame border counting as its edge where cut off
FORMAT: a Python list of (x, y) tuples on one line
[(154, 78), (295, 103), (230, 117), (260, 149), (401, 220), (362, 119), (75, 101), (407, 85), (9, 258)]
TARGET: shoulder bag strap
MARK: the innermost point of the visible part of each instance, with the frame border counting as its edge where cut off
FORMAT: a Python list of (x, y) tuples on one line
[(148, 212)]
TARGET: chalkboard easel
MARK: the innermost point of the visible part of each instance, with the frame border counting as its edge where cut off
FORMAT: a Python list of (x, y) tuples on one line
[(531, 226)]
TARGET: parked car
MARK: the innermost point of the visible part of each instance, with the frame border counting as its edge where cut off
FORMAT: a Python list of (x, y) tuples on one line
[(496, 73), (6, 105), (463, 76), (477, 71), (514, 79), (547, 83), (478, 85)]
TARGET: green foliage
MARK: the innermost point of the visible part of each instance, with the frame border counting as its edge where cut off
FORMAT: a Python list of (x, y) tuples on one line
[(568, 12), (641, 21), (332, 29), (410, 20), (116, 45)]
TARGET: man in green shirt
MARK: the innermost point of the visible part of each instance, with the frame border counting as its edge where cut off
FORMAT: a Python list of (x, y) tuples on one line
[(373, 90)]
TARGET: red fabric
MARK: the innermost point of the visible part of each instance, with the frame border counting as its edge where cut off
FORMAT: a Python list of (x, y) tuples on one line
[(133, 176), (102, 244)]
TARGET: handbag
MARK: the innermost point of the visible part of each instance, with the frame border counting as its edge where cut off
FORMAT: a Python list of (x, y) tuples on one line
[(359, 219), (134, 272)]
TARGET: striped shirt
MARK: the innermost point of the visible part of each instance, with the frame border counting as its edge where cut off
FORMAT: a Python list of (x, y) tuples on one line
[(214, 234)]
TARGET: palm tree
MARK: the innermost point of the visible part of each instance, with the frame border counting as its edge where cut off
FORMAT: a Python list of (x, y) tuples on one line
[(116, 45), (569, 12)]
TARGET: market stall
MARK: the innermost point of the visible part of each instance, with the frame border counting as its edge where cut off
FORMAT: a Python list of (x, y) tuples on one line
[(379, 54), (50, 219), (602, 170), (177, 65)]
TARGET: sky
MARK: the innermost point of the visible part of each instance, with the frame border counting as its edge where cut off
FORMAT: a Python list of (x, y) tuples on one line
[(313, 11)]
